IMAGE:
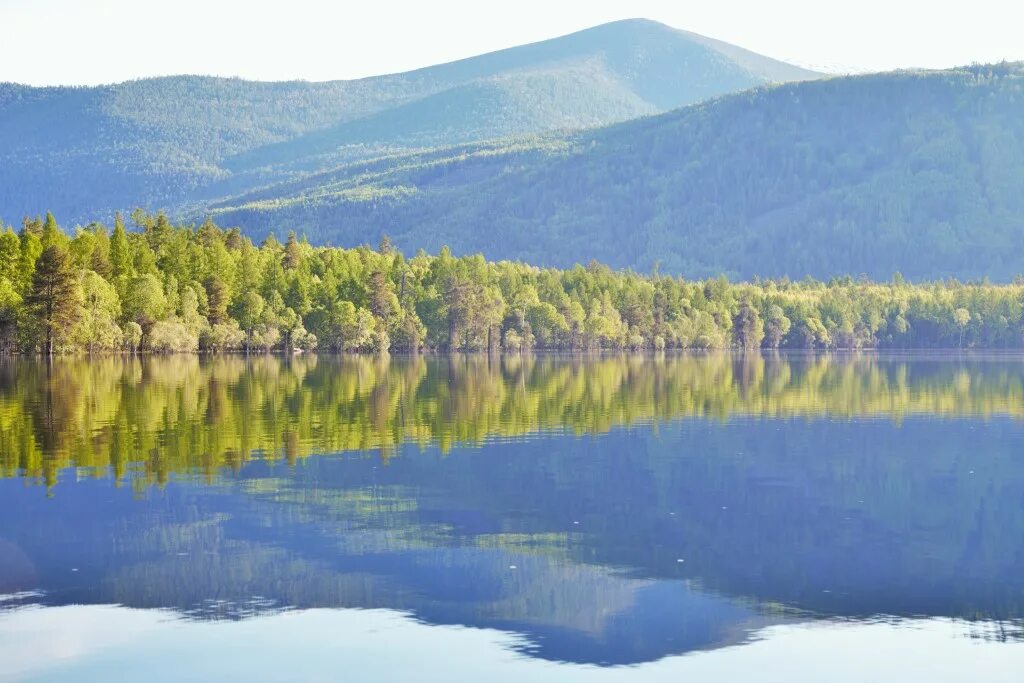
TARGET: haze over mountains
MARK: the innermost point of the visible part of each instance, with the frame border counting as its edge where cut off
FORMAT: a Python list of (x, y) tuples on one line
[(632, 143), (921, 173), (167, 142)]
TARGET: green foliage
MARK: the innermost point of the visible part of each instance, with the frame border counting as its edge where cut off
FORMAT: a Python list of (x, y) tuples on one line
[(225, 336), (97, 328), (10, 307), (777, 326), (230, 295), (132, 336), (748, 329), (172, 336), (916, 172), (145, 301)]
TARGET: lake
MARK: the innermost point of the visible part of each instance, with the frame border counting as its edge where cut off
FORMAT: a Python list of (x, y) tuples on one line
[(606, 518)]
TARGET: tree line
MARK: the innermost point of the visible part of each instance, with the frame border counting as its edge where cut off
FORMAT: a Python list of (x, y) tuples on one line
[(164, 288)]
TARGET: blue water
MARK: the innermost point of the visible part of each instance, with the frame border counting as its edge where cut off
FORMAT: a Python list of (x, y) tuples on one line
[(810, 546)]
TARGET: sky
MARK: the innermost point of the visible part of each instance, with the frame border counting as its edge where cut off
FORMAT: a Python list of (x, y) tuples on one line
[(86, 42)]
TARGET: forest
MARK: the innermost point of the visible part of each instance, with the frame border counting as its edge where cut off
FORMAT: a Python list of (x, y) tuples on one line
[(916, 172), (165, 288)]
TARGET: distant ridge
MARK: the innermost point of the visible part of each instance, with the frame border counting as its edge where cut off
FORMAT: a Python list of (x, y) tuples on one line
[(917, 172), (177, 142)]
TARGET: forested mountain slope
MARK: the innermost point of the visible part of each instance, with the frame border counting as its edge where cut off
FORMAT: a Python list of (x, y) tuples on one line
[(918, 172), (175, 142)]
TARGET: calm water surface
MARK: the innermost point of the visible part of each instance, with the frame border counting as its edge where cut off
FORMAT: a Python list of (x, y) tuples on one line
[(702, 518)]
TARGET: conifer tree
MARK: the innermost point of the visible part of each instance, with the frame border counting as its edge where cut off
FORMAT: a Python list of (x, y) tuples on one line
[(52, 300), (120, 250), (292, 254), (30, 248), (51, 232)]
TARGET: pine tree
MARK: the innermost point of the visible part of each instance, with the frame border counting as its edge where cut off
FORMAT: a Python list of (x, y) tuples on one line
[(52, 300), (217, 300), (30, 247), (120, 250), (51, 232), (100, 264), (292, 254), (10, 255), (208, 233), (158, 232), (234, 239), (380, 296)]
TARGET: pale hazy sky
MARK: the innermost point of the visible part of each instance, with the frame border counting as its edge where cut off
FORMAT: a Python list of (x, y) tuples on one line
[(44, 42)]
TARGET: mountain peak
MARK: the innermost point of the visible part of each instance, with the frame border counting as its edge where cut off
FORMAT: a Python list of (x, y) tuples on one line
[(169, 142)]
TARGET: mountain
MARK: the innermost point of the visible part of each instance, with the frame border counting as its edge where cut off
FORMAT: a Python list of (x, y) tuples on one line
[(181, 141), (918, 172)]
